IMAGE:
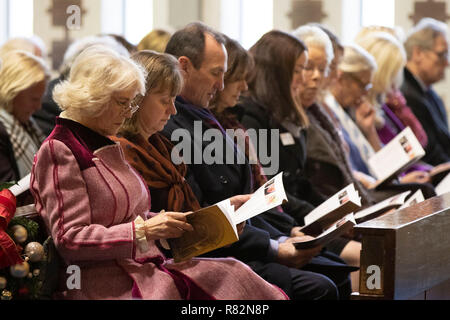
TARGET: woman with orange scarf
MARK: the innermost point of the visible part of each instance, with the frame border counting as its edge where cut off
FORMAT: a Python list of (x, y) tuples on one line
[(148, 151)]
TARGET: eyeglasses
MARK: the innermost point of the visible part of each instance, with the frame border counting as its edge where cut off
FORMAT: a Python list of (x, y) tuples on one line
[(442, 56), (364, 86), (127, 107)]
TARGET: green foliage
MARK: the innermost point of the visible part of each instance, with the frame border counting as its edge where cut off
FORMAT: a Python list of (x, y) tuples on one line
[(7, 185), (24, 288)]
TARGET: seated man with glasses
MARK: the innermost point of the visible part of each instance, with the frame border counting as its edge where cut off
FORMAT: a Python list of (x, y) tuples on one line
[(427, 52)]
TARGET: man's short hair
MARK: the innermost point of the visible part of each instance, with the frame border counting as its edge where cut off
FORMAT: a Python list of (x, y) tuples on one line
[(190, 42), (424, 34)]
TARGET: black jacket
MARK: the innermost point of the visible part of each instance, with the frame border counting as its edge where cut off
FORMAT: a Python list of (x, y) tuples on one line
[(45, 117), (8, 165), (430, 110), (292, 161)]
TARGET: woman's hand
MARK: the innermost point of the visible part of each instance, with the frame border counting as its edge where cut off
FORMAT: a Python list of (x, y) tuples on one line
[(367, 181), (296, 232), (289, 256), (167, 225), (238, 201), (416, 177), (365, 117), (240, 228)]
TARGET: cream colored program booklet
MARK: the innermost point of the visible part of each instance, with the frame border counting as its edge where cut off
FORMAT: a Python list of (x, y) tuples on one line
[(215, 226)]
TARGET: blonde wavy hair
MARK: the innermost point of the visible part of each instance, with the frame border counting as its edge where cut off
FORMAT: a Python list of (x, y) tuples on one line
[(96, 74), (390, 57), (21, 70), (33, 45), (163, 75), (397, 32), (156, 40)]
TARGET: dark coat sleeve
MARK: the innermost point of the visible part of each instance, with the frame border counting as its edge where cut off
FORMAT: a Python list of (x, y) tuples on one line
[(8, 166), (435, 153)]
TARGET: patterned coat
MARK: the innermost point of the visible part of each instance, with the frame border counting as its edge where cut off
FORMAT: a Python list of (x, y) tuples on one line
[(89, 198)]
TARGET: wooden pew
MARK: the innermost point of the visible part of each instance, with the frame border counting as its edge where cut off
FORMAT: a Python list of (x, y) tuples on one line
[(411, 248)]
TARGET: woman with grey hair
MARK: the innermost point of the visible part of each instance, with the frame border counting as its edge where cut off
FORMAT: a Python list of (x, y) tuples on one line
[(348, 94), (23, 79), (96, 206)]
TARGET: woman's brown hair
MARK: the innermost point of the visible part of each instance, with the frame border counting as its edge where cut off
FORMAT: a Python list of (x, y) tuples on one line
[(163, 75), (269, 83), (240, 63)]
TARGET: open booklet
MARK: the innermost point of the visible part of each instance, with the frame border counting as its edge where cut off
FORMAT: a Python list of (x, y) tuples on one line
[(382, 207), (215, 226), (343, 225), (335, 208), (337, 229), (400, 153)]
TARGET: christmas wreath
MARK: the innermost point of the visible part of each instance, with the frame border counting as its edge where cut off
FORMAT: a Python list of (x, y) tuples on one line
[(23, 252)]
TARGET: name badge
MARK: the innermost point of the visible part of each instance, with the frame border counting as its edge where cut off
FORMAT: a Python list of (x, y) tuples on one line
[(287, 139)]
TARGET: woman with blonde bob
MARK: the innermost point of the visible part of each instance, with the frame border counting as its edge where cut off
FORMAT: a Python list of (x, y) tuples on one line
[(97, 207), (23, 79), (391, 59)]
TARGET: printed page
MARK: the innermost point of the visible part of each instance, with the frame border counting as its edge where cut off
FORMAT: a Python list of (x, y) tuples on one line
[(348, 194), (398, 154), (268, 196), (443, 186), (21, 186), (415, 198), (228, 211), (392, 202), (337, 229)]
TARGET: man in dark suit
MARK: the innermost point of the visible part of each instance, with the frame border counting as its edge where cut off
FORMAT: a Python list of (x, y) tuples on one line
[(427, 51), (267, 250)]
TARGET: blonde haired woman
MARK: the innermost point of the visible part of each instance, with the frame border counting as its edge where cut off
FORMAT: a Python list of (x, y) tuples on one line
[(390, 56), (97, 207), (23, 79)]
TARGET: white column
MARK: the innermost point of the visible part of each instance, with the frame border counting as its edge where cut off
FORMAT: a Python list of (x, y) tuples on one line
[(281, 11), (230, 22), (334, 19), (112, 16), (211, 13), (3, 21), (138, 19), (161, 15), (351, 20)]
